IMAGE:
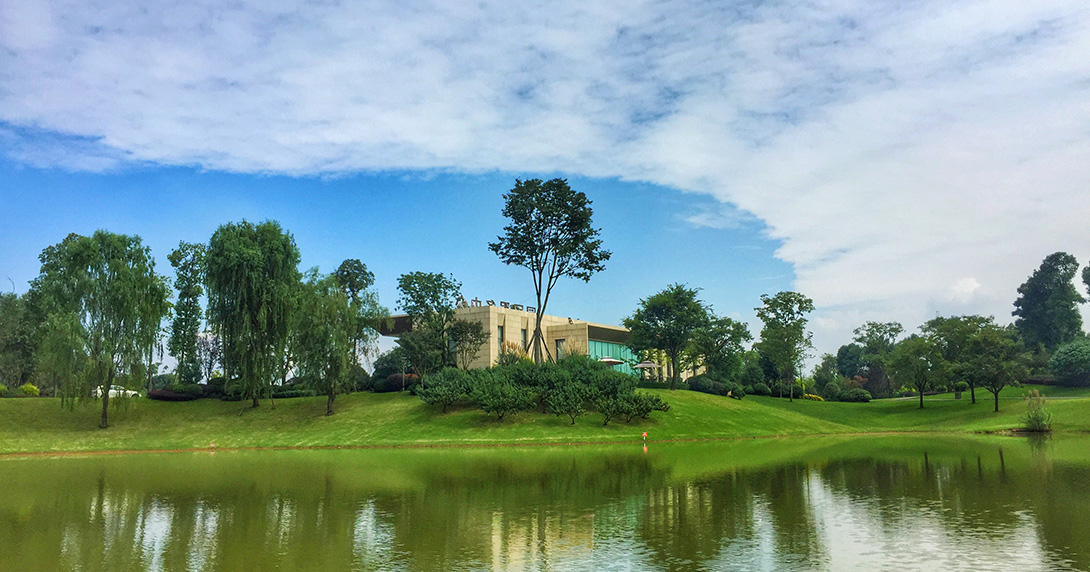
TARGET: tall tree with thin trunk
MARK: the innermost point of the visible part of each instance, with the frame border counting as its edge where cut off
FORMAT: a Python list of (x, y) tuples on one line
[(915, 361), (252, 277), (107, 303), (356, 281), (429, 299), (327, 324), (667, 321), (996, 360), (951, 335), (784, 338), (550, 234), (188, 263)]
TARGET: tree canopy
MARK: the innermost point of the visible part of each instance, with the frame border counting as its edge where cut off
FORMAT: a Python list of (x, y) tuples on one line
[(430, 300), (327, 324), (915, 361), (784, 339), (951, 336), (667, 321), (253, 280), (188, 263), (550, 233), (356, 281), (1046, 311), (104, 304)]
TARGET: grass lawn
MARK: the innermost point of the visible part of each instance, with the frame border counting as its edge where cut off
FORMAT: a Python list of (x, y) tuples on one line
[(41, 425)]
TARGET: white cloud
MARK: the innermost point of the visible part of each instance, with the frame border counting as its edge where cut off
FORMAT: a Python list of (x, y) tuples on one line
[(912, 158)]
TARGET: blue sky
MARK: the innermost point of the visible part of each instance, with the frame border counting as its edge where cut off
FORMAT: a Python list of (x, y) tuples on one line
[(891, 160)]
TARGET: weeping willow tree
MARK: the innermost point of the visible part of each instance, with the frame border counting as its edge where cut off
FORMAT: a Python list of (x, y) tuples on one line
[(104, 305), (325, 337), (252, 277)]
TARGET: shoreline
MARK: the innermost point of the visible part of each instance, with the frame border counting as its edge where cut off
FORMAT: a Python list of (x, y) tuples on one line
[(511, 444)]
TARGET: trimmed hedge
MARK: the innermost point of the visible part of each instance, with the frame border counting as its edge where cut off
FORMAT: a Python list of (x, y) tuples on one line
[(170, 395)]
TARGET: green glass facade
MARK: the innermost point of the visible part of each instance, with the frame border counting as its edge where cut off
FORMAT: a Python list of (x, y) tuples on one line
[(597, 350)]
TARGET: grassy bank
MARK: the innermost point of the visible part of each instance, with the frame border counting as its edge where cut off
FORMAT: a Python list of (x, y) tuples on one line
[(41, 425)]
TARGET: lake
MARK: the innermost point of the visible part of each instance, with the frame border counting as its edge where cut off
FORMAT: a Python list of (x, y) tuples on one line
[(862, 503)]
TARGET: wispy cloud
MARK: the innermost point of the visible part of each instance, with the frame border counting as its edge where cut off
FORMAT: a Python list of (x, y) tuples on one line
[(911, 157)]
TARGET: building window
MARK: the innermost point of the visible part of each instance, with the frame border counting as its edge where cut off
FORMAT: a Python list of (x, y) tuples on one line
[(525, 341), (559, 349), (499, 338)]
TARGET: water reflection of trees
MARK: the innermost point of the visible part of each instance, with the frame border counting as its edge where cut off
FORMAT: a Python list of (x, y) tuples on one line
[(501, 514)]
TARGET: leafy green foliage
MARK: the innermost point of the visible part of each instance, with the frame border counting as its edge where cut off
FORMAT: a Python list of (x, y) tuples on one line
[(849, 360), (568, 398), (29, 390), (325, 340), (667, 321), (467, 337), (831, 391), (721, 343), (1071, 363), (952, 335), (104, 303), (550, 233), (760, 388), (857, 395), (429, 299), (877, 340), (446, 388), (497, 395), (18, 340), (356, 281), (784, 339), (995, 360), (1046, 311), (252, 278), (915, 361), (825, 372), (391, 362), (188, 263)]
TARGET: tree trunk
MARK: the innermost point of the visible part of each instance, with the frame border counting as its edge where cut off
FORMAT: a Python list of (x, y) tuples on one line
[(921, 396), (791, 391), (329, 404), (256, 402), (996, 401), (106, 398), (673, 373), (972, 393)]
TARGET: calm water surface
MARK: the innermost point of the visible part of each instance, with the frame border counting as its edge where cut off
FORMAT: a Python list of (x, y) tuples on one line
[(888, 503)]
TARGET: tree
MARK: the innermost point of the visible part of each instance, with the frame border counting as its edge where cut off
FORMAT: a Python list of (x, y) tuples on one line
[(423, 348), (1070, 363), (784, 338), (915, 360), (18, 340), (188, 263), (252, 279), (356, 282), (105, 302), (550, 234), (849, 360), (327, 324), (496, 394), (995, 360), (1046, 310), (825, 372), (721, 342), (467, 337), (430, 299), (567, 398), (667, 321), (951, 335), (877, 340)]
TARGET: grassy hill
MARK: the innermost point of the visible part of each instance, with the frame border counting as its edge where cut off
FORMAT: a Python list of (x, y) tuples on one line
[(41, 425)]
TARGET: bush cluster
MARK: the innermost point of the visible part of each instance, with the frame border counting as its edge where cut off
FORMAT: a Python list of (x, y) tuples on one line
[(1071, 363), (713, 385), (570, 388)]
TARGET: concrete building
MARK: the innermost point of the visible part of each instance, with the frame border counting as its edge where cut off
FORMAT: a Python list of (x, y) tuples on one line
[(514, 323)]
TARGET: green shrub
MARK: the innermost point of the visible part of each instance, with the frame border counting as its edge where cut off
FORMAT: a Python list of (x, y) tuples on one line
[(857, 395), (292, 391), (394, 382), (832, 391), (961, 386), (164, 381), (760, 389), (567, 398), (446, 388), (216, 387), (1071, 363), (650, 383), (610, 383), (1037, 418), (29, 389), (191, 389), (495, 394)]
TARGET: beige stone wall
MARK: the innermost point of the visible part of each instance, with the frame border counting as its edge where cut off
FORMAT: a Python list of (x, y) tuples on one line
[(514, 322)]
